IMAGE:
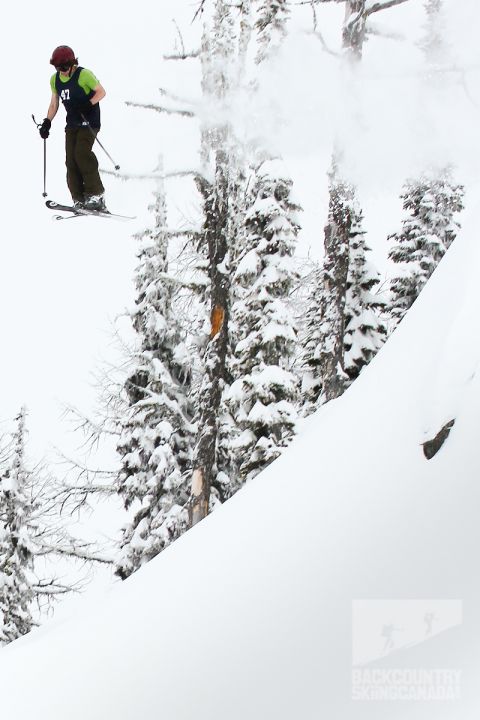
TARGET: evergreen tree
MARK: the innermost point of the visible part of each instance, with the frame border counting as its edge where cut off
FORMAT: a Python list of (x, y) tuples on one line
[(16, 557), (433, 42), (344, 329), (221, 193), (263, 394), (156, 434), (271, 21), (324, 342), (325, 337), (244, 36), (365, 331), (430, 201), (258, 413), (428, 229)]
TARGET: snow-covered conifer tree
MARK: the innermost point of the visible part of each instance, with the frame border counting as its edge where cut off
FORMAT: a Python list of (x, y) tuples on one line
[(263, 394), (428, 229), (324, 343), (325, 318), (431, 201), (433, 42), (271, 21), (16, 558), (259, 407), (218, 186), (155, 441), (365, 330), (344, 327), (325, 340)]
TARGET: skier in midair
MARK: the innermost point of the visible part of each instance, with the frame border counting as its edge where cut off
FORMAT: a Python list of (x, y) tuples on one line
[(80, 92)]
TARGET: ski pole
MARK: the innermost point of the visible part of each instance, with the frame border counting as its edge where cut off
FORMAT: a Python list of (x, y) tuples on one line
[(117, 167), (44, 168), (44, 159)]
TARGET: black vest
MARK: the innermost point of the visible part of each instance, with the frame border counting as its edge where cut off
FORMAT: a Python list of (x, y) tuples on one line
[(72, 95)]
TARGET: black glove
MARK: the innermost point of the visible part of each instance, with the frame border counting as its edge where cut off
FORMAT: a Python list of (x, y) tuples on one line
[(84, 107), (44, 128)]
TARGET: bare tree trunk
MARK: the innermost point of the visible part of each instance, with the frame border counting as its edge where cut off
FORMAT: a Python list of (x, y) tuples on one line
[(353, 33)]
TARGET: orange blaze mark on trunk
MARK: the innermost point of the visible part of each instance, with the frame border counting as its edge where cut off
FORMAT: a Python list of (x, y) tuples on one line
[(217, 315)]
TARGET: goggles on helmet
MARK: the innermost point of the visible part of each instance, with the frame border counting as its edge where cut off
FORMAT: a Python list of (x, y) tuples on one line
[(64, 67)]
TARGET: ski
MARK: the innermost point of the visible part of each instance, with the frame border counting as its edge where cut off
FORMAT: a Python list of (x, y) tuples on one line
[(79, 212)]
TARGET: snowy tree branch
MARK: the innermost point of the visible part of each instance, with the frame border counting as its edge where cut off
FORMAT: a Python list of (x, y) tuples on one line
[(182, 56), (152, 176), (183, 233), (52, 587), (382, 5), (375, 7), (162, 109), (74, 552)]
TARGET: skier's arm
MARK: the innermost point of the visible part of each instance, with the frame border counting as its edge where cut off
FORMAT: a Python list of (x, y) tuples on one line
[(99, 94), (53, 107)]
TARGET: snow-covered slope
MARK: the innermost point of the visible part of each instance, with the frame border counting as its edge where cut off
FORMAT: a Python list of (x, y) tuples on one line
[(250, 614)]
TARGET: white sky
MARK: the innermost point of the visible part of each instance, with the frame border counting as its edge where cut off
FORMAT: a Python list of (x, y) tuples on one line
[(62, 284)]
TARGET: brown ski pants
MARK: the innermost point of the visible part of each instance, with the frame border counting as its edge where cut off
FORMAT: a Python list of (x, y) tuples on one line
[(82, 165)]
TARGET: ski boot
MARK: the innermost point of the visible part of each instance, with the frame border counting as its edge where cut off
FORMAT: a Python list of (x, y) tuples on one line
[(95, 202)]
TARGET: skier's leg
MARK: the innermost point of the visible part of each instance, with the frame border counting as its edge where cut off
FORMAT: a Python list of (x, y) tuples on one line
[(88, 163), (74, 176)]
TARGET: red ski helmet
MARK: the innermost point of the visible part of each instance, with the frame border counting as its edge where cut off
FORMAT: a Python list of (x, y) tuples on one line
[(63, 55)]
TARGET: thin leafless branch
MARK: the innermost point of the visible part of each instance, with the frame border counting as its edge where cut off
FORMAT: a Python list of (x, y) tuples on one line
[(53, 588), (173, 96), (320, 37), (199, 10), (179, 35)]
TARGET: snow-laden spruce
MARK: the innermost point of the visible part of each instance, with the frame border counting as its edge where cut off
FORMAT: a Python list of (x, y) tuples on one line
[(324, 339), (258, 409), (270, 23), (155, 440), (430, 201), (429, 227), (323, 352), (365, 330), (343, 325), (263, 395), (222, 210), (16, 552), (433, 42)]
